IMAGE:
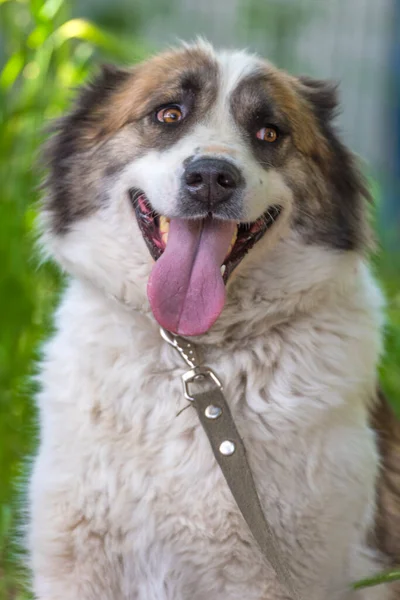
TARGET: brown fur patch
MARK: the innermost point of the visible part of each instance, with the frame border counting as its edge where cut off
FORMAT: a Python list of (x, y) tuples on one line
[(159, 80), (273, 97), (301, 118), (328, 189)]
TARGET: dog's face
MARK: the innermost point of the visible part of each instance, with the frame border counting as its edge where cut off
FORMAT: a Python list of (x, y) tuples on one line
[(194, 160)]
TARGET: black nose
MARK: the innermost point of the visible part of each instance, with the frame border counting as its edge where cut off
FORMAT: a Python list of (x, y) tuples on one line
[(211, 180)]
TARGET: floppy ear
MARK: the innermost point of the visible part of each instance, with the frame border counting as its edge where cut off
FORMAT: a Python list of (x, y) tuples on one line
[(99, 90), (79, 125), (93, 96), (346, 186), (72, 136), (322, 95)]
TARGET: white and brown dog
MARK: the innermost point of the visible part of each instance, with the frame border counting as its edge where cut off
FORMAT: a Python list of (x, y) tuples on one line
[(228, 173)]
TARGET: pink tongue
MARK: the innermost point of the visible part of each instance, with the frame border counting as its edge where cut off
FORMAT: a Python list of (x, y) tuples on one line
[(186, 290)]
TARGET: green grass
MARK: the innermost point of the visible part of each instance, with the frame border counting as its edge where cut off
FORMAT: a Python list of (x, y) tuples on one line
[(387, 270), (48, 54)]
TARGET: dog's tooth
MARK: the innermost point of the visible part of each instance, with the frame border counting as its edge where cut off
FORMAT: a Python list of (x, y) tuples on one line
[(233, 241), (164, 225), (234, 237), (164, 229), (223, 269)]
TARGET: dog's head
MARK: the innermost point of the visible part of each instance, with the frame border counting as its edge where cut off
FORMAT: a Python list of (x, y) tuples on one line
[(168, 175)]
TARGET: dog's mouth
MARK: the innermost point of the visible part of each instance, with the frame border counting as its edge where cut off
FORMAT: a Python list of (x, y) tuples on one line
[(194, 260)]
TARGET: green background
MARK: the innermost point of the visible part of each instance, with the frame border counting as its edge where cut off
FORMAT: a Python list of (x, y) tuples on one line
[(44, 54)]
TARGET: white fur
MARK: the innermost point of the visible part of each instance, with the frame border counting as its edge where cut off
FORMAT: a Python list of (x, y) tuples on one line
[(126, 499)]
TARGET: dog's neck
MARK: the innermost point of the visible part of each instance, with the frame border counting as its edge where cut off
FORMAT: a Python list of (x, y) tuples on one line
[(294, 280)]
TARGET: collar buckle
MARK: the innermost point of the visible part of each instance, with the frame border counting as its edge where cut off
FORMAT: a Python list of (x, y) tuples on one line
[(198, 375)]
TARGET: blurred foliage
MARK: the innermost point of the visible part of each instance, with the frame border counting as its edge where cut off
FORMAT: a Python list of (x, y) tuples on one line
[(387, 269), (45, 54)]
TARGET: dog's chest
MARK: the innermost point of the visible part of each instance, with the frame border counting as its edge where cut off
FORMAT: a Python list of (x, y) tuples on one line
[(162, 462), (149, 477), (158, 461)]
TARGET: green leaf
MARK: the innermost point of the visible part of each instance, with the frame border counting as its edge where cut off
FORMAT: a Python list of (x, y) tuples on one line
[(377, 580), (85, 30), (50, 9), (11, 70)]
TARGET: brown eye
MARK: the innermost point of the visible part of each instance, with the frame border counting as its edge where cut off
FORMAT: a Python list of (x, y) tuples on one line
[(169, 114), (267, 134)]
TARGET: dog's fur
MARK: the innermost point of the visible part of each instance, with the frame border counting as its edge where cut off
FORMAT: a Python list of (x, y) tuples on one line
[(126, 500)]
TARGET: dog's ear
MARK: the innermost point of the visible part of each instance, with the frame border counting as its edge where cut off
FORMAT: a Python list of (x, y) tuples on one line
[(72, 136), (82, 126), (322, 95), (98, 91), (346, 185), (95, 95)]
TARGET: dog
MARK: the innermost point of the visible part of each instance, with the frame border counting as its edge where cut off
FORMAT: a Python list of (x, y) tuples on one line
[(208, 192)]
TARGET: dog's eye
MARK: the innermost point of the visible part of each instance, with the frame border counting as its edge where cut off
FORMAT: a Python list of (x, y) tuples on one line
[(268, 134), (169, 114)]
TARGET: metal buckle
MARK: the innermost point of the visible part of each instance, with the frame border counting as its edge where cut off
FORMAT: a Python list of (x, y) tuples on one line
[(198, 374), (185, 348), (188, 352)]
